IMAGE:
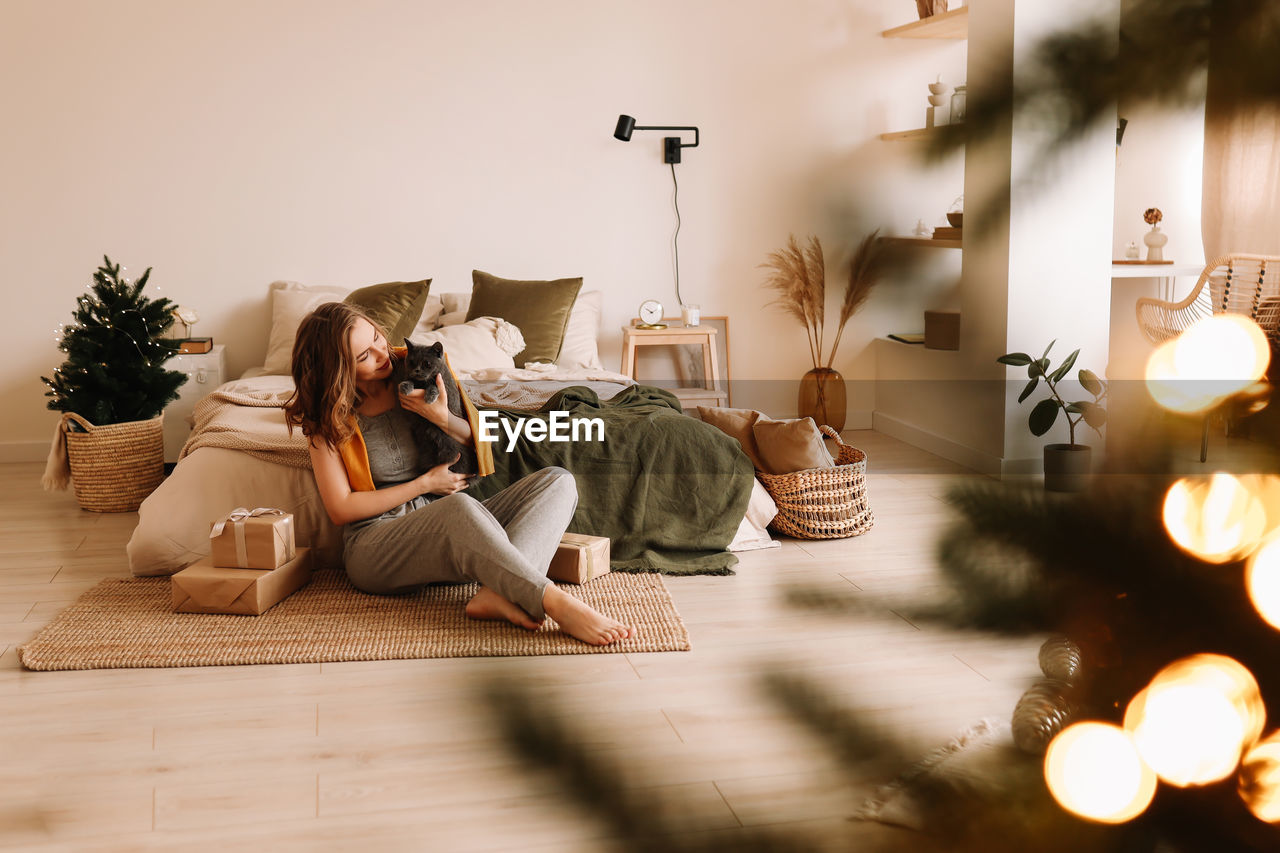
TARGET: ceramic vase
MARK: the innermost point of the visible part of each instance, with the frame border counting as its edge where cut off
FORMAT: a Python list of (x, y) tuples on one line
[(1155, 240), (930, 7), (822, 397)]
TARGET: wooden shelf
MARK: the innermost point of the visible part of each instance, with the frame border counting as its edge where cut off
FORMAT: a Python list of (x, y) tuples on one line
[(924, 242), (944, 25), (918, 133), (925, 133)]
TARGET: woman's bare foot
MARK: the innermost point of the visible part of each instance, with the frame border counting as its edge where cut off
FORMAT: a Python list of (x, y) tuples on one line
[(581, 620), (487, 604)]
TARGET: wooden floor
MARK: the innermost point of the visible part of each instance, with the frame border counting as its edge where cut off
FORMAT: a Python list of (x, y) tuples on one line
[(403, 756)]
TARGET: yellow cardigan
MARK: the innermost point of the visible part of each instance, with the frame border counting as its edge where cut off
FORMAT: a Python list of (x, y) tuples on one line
[(355, 456)]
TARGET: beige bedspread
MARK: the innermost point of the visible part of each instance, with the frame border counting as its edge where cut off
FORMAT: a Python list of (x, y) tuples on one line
[(248, 421)]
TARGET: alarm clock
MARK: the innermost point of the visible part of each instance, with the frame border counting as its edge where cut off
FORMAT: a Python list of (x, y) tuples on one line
[(651, 315)]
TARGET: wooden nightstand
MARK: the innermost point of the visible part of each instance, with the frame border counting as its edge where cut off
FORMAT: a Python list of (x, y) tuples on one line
[(677, 335), (205, 371)]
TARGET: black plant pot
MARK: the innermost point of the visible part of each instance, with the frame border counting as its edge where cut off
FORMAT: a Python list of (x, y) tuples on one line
[(1067, 467)]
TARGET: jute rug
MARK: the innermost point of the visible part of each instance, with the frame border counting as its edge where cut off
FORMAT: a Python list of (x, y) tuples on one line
[(127, 622)]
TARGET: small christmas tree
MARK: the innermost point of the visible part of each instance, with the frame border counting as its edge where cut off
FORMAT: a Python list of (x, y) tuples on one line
[(115, 353)]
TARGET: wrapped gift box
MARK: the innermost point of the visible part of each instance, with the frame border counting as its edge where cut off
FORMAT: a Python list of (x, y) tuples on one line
[(252, 539), (205, 588), (579, 558)]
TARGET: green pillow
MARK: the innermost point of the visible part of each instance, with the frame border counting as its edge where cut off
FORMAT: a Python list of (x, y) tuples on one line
[(395, 306), (539, 309)]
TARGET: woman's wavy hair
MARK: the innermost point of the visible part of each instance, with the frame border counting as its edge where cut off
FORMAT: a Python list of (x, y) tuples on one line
[(325, 395)]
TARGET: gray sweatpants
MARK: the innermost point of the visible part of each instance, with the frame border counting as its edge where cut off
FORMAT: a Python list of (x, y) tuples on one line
[(504, 543)]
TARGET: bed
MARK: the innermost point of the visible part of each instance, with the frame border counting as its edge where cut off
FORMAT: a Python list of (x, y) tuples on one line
[(673, 494)]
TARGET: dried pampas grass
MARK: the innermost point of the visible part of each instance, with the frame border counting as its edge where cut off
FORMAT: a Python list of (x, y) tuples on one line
[(799, 278)]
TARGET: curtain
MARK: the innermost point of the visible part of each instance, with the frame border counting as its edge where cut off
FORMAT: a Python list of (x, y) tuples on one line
[(1241, 192)]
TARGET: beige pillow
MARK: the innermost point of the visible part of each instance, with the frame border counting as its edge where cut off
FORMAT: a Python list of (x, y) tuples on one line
[(430, 317), (737, 423), (453, 309), (788, 446), (290, 302), (579, 349), (455, 302), (475, 345), (539, 308)]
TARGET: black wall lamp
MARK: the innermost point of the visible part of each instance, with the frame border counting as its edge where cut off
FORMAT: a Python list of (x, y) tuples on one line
[(671, 145)]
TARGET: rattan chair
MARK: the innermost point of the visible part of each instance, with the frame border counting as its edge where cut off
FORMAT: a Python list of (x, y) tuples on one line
[(1231, 284)]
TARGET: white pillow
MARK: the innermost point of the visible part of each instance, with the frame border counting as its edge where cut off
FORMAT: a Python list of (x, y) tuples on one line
[(579, 349), (290, 302), (430, 317), (483, 342)]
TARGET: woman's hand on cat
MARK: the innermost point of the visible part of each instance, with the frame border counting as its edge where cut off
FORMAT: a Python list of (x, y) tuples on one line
[(441, 481), (436, 411)]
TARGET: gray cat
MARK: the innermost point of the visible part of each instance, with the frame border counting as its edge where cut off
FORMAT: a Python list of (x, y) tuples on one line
[(421, 365)]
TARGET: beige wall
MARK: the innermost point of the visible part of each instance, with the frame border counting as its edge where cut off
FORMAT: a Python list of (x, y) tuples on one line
[(231, 143)]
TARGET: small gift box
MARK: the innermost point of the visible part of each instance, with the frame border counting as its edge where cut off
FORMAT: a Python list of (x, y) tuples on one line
[(206, 588), (252, 539), (579, 558)]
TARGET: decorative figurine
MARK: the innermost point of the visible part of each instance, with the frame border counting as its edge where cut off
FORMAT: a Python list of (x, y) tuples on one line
[(938, 114)]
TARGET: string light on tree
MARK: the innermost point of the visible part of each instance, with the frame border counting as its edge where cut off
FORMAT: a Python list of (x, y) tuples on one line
[(1259, 782), (1093, 770), (1217, 519), (1196, 718), (1262, 578), (1214, 359)]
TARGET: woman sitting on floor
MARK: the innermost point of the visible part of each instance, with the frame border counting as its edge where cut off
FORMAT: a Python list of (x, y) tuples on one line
[(405, 527)]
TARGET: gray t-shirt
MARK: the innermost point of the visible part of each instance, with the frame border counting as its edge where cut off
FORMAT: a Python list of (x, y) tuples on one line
[(393, 458)]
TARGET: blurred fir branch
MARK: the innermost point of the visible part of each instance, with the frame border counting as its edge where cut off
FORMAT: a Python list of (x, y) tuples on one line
[(636, 817), (851, 738), (1099, 568)]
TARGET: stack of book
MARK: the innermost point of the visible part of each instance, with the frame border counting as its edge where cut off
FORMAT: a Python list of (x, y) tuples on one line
[(946, 232)]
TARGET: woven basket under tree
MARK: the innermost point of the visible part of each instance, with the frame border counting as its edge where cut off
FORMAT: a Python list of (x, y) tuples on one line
[(112, 391), (823, 503), (114, 467)]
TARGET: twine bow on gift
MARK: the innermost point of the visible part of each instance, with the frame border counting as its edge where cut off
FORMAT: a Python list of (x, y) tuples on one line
[(234, 518)]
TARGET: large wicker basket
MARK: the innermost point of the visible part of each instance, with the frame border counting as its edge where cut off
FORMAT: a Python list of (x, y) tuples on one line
[(823, 503), (114, 467)]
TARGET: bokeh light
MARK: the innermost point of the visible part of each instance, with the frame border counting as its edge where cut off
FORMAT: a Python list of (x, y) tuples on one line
[(1262, 578), (1260, 779), (1218, 519), (1094, 771), (1215, 358), (1194, 720)]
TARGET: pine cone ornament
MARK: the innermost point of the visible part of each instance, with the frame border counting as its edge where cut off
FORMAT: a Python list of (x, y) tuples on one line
[(1061, 659), (1044, 710)]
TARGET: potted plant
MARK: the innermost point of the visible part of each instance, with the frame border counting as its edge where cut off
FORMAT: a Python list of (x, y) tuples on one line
[(799, 277), (1066, 466), (112, 391)]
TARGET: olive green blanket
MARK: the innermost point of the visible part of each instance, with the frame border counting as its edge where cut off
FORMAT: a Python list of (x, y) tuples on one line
[(668, 490)]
